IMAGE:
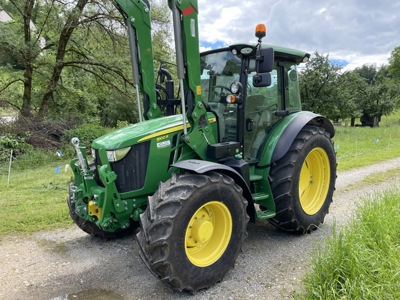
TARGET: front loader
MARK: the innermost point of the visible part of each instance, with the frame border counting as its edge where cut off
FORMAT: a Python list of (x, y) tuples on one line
[(232, 146)]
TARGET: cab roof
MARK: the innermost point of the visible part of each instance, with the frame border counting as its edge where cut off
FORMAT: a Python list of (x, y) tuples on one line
[(286, 53)]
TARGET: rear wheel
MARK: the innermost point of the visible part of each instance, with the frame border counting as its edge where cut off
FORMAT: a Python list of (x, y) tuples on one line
[(193, 229), (303, 181)]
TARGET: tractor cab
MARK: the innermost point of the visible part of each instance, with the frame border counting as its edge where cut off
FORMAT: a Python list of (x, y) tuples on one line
[(245, 108)]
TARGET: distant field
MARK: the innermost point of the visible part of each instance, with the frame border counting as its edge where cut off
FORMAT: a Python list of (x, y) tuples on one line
[(360, 146)]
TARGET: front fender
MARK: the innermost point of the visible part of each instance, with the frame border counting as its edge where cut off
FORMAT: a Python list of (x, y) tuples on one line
[(201, 167)]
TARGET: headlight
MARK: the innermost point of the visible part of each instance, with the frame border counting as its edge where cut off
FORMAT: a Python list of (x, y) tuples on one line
[(116, 155), (93, 153), (246, 50)]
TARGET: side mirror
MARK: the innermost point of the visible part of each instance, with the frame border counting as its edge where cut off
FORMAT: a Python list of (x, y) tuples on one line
[(262, 79), (264, 60)]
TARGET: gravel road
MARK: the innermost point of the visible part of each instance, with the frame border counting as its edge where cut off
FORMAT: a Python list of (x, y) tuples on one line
[(68, 264)]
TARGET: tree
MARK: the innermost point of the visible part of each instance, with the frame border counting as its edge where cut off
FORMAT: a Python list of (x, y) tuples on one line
[(83, 63), (393, 71), (367, 91), (378, 96), (394, 64), (319, 89), (368, 72), (349, 87), (72, 21)]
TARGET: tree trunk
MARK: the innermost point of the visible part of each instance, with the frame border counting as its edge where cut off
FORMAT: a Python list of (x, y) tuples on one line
[(71, 23), (352, 121), (27, 94)]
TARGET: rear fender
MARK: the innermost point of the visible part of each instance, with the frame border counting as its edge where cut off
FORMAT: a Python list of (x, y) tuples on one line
[(276, 148), (201, 167)]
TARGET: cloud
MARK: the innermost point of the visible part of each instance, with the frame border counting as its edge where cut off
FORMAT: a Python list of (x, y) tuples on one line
[(354, 31), (204, 45)]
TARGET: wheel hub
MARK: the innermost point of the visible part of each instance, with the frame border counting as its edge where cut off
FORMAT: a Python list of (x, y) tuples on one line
[(202, 230), (208, 233)]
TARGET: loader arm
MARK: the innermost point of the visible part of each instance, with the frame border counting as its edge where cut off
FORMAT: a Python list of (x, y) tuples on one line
[(197, 131), (138, 20), (186, 34)]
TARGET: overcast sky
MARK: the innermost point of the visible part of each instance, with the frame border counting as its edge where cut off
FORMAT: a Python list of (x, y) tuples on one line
[(352, 32)]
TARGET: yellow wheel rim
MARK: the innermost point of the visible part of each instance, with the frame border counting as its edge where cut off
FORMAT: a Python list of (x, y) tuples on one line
[(208, 234), (314, 181)]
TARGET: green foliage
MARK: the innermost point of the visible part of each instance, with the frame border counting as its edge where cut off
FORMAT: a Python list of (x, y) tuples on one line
[(348, 86), (86, 134), (319, 88), (121, 109), (368, 72), (338, 95), (12, 47), (394, 64), (34, 159), (362, 260), (95, 69), (14, 142), (378, 95)]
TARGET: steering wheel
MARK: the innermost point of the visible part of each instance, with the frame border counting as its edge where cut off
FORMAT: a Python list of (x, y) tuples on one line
[(219, 95), (222, 89)]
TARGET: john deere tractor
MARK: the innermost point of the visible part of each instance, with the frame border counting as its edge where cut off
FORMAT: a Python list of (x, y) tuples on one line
[(233, 146)]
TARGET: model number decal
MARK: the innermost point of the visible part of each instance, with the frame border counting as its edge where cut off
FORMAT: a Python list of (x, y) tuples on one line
[(163, 144)]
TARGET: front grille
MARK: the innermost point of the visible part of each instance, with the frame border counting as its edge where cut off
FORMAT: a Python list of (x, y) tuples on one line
[(131, 170)]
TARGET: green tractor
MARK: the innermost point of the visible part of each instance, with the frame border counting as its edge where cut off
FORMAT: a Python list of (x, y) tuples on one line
[(234, 146)]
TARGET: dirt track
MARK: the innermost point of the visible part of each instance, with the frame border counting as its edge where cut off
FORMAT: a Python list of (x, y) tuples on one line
[(68, 264)]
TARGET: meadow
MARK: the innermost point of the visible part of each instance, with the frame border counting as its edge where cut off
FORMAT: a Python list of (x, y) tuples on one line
[(34, 198), (361, 146)]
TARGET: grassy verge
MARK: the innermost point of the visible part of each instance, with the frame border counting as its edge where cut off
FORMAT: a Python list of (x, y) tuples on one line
[(35, 198), (360, 261)]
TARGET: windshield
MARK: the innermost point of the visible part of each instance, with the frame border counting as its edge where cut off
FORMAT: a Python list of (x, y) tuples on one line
[(219, 70)]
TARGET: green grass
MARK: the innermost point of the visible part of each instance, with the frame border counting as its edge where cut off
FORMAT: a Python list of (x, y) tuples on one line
[(360, 261), (393, 174), (360, 146), (34, 199)]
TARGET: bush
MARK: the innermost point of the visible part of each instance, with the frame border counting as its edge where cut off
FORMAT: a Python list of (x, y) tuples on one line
[(86, 134), (120, 109), (14, 142)]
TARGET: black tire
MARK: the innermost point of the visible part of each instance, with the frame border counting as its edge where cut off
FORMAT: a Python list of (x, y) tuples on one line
[(303, 181), (93, 230), (178, 215)]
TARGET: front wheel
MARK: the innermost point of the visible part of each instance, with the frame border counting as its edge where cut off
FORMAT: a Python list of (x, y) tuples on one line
[(303, 181), (193, 229)]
